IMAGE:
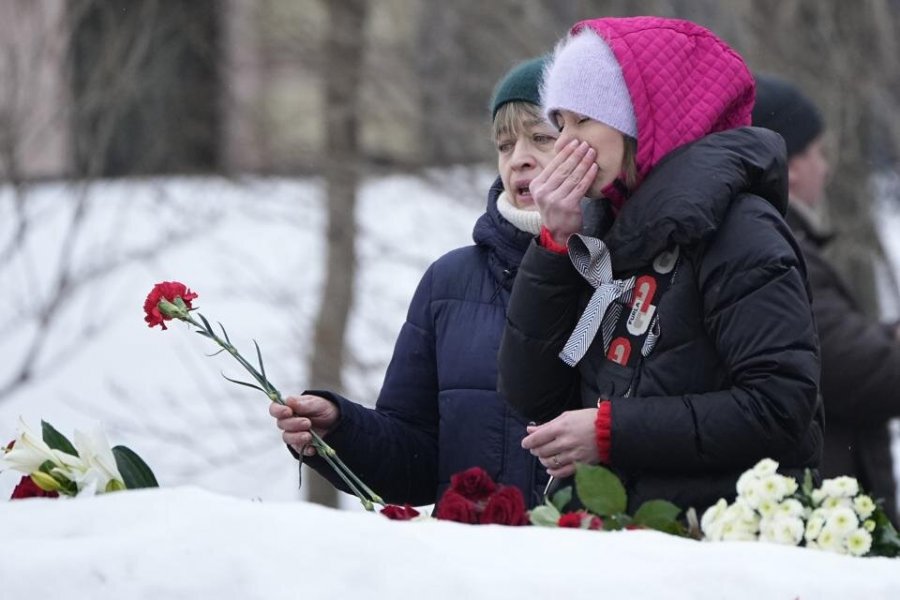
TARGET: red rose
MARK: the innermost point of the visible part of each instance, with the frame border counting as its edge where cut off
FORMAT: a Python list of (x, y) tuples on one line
[(166, 290), (474, 484), (505, 507), (572, 519), (453, 506), (27, 488), (399, 513), (580, 520)]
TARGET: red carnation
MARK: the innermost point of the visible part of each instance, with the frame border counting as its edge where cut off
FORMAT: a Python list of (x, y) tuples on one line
[(27, 488), (399, 513), (166, 290), (453, 506), (474, 484), (505, 507)]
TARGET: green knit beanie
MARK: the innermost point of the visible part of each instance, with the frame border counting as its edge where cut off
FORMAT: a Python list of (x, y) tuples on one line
[(521, 84)]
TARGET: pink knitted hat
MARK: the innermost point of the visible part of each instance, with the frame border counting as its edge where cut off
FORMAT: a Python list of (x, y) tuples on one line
[(683, 81), (585, 77)]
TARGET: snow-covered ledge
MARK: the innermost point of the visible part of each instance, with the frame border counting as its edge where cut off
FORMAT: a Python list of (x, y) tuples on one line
[(189, 543)]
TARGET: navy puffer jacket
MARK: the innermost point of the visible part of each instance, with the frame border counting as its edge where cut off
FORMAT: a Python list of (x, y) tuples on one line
[(439, 412)]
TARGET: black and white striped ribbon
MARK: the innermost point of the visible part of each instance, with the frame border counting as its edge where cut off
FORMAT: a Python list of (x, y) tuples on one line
[(590, 256)]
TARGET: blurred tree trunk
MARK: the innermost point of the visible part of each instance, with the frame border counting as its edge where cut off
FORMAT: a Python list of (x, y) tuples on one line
[(342, 166)]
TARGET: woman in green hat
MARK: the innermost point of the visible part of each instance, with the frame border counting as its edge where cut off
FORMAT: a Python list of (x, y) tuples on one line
[(438, 412)]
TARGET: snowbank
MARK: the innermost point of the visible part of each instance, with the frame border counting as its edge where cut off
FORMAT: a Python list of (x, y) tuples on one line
[(190, 543)]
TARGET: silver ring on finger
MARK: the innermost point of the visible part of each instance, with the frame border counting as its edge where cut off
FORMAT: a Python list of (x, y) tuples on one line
[(555, 460)]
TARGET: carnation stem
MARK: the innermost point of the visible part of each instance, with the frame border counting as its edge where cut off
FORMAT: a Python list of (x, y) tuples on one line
[(366, 496), (329, 452)]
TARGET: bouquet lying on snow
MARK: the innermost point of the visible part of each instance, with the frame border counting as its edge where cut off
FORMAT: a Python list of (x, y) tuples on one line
[(53, 466), (474, 498), (836, 517)]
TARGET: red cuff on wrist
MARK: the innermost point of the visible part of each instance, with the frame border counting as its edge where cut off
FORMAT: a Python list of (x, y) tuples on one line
[(602, 428), (549, 243)]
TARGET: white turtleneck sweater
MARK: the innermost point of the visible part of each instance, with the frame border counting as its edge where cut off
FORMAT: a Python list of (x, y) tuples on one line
[(528, 221)]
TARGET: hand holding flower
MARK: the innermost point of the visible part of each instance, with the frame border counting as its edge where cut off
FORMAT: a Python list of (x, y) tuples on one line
[(173, 300), (298, 415), (567, 439)]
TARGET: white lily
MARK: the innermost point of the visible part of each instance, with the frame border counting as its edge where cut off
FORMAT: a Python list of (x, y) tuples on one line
[(98, 472), (30, 451)]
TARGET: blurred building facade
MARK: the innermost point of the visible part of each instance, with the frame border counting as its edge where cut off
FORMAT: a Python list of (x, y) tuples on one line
[(105, 88)]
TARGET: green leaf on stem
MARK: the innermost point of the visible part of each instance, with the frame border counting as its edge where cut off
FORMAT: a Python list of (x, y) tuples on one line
[(249, 385), (206, 324), (562, 498), (224, 333), (599, 490), (56, 440), (807, 487), (660, 515), (262, 369), (545, 515), (885, 540), (135, 472)]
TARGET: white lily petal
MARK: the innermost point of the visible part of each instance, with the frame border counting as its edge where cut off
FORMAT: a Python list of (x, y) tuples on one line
[(30, 452), (99, 463)]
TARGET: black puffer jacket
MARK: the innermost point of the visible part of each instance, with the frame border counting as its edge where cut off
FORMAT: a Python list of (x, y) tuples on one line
[(733, 377), (860, 376)]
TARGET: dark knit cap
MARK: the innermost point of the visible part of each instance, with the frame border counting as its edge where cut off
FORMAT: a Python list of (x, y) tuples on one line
[(521, 84), (783, 108)]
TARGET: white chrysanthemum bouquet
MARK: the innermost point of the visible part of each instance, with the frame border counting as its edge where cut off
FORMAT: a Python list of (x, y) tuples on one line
[(770, 507)]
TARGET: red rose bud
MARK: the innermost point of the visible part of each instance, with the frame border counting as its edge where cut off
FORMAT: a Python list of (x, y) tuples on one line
[(453, 506), (399, 513), (580, 520), (505, 507), (570, 520), (27, 488), (474, 484), (166, 301)]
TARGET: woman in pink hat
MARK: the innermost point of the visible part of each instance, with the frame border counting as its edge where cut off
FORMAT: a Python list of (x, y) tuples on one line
[(669, 335)]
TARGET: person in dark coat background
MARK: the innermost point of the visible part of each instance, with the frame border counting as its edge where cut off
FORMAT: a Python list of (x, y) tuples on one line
[(860, 381), (676, 343), (438, 412)]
